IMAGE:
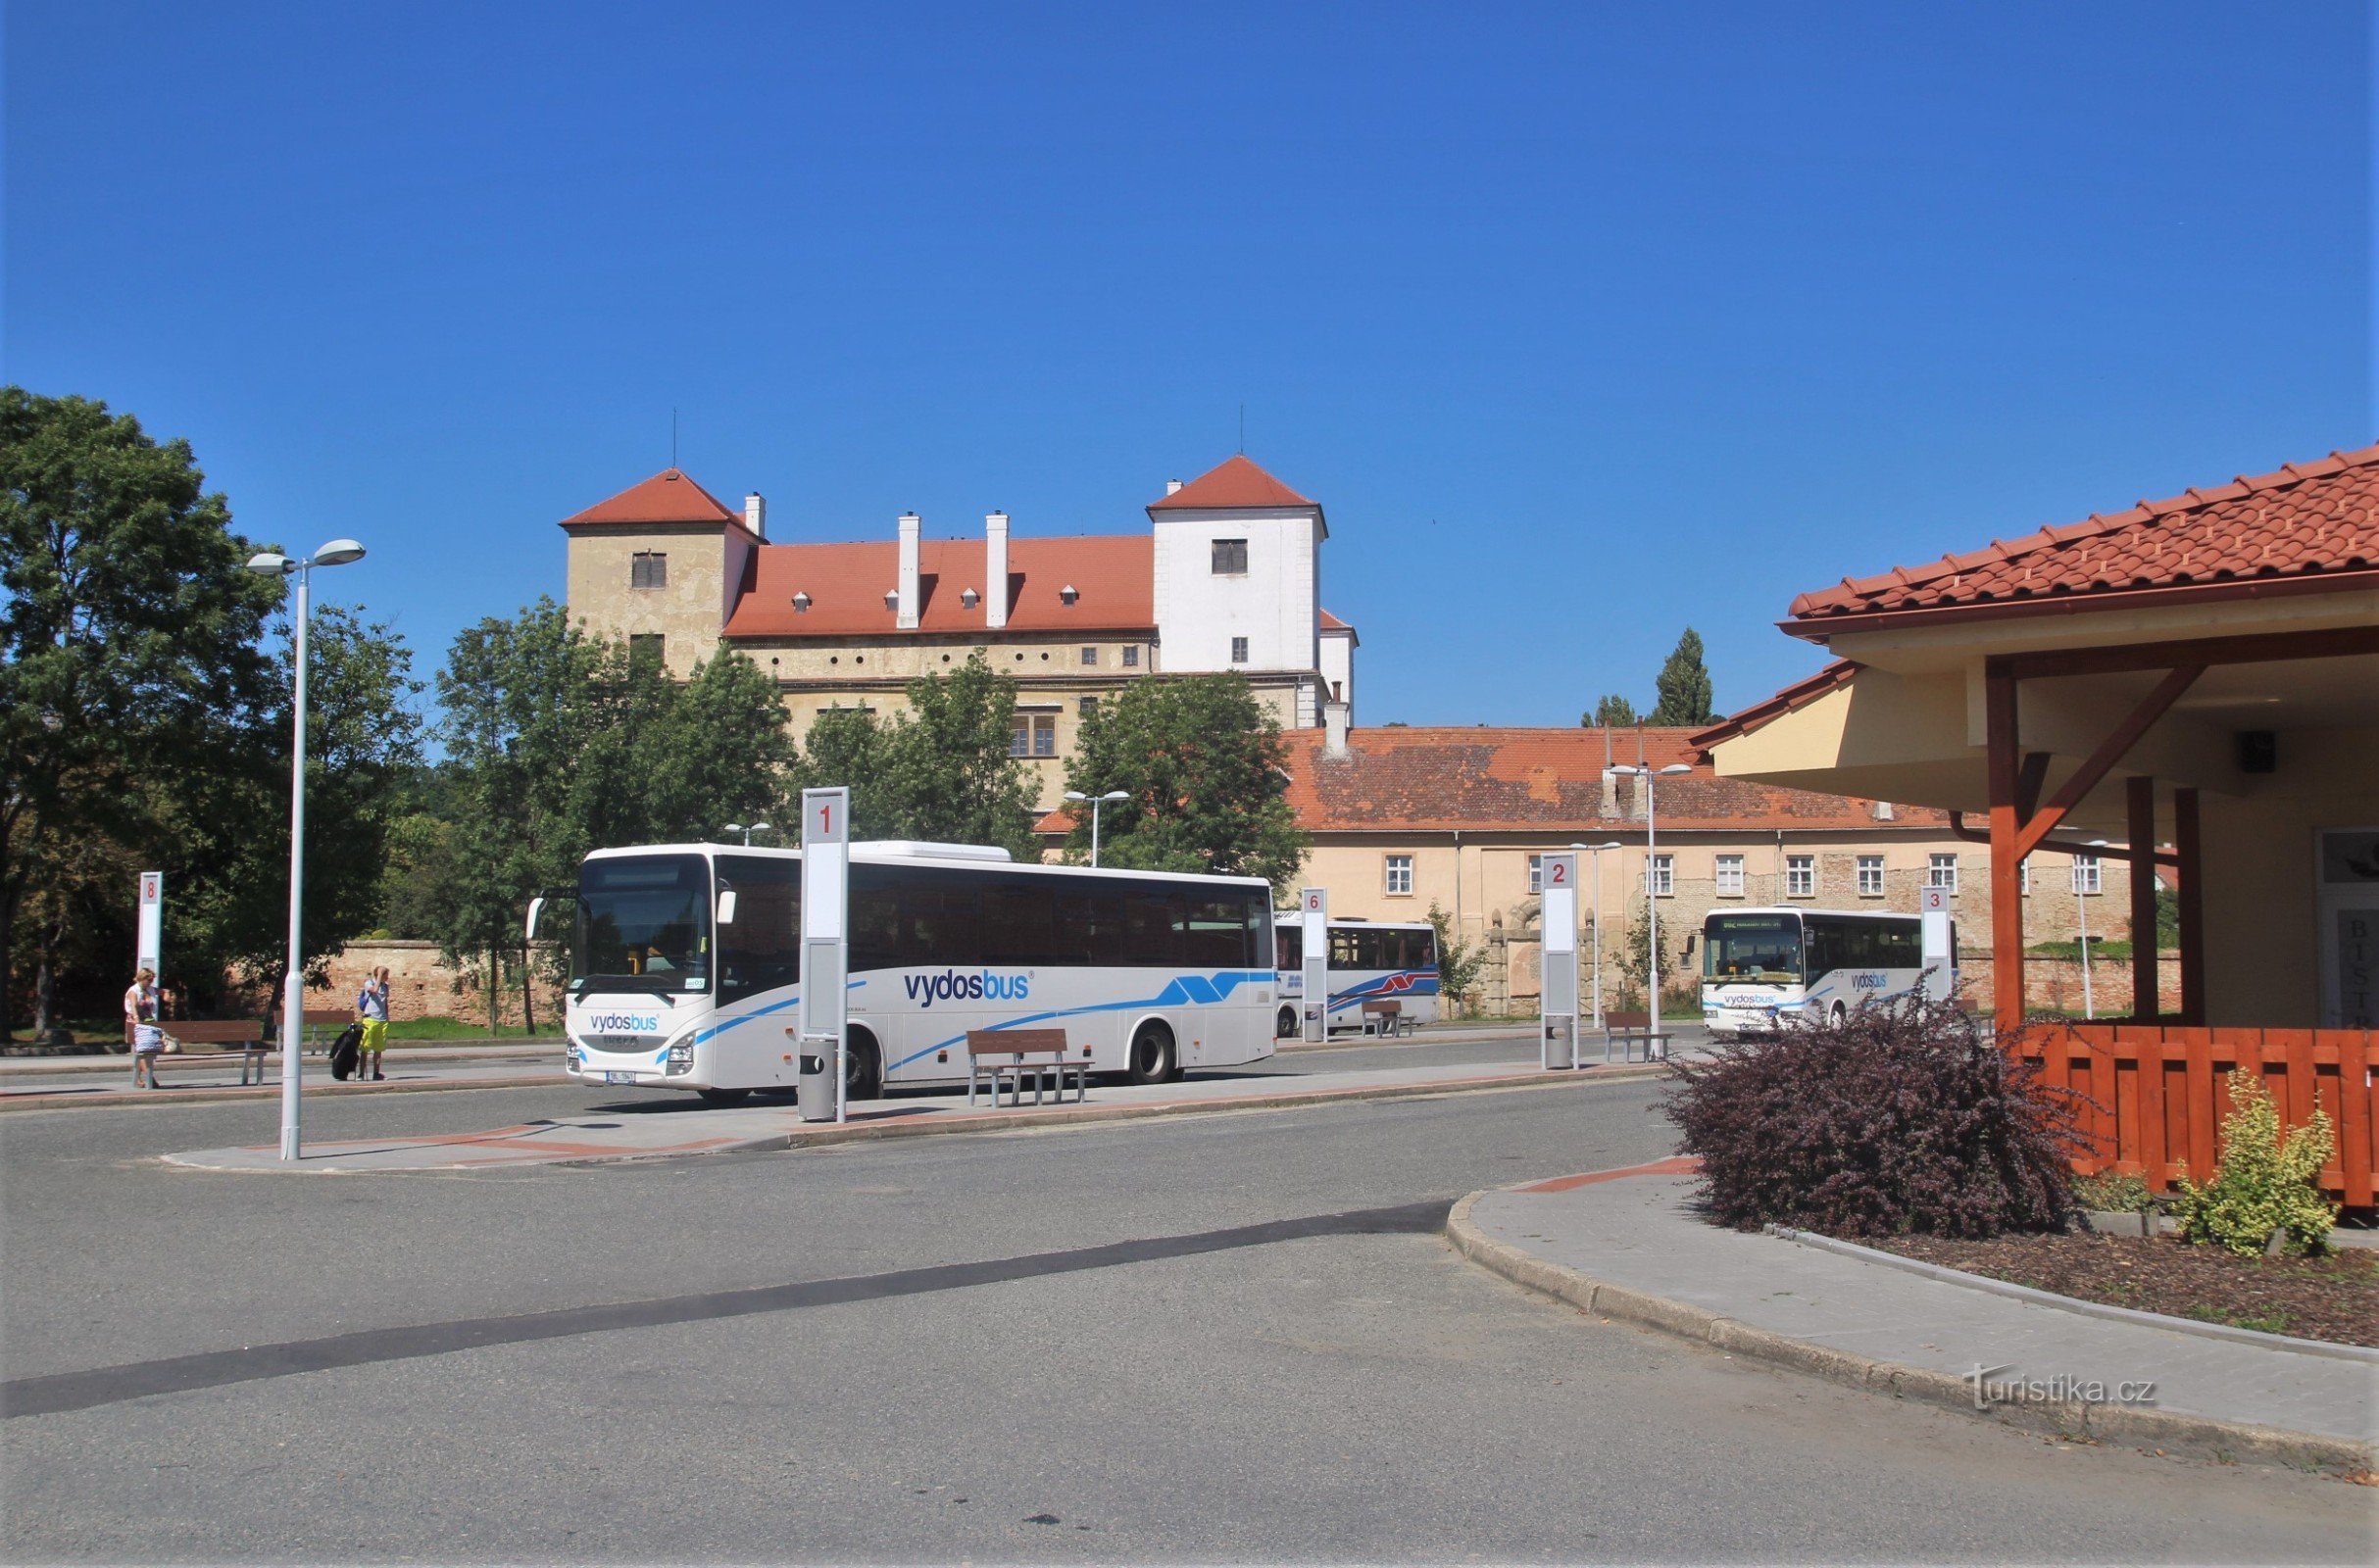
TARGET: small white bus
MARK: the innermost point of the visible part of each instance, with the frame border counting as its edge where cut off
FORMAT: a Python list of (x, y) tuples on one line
[(685, 970), (1762, 966), (1370, 961)]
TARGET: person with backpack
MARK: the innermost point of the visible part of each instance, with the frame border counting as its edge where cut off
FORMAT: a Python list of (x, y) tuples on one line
[(371, 1007)]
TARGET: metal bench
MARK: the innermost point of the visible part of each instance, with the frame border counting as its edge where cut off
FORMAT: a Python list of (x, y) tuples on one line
[(246, 1037), (1385, 1016), (1627, 1030), (1011, 1056)]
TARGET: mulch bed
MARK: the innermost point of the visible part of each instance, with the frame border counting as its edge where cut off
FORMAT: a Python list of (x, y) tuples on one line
[(2333, 1298)]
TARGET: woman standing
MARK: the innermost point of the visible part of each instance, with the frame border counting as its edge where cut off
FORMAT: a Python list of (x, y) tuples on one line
[(140, 1029)]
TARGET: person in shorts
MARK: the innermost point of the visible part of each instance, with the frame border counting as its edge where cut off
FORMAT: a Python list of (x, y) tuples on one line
[(372, 1005), (148, 1042)]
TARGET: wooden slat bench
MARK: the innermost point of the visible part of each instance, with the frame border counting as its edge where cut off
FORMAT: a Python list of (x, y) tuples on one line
[(322, 1025), (1015, 1055), (1384, 1015), (245, 1038), (1627, 1030)]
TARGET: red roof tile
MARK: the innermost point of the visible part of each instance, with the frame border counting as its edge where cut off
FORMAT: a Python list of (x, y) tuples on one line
[(1235, 482), (668, 496), (1397, 779), (1330, 622), (1114, 575), (2303, 521)]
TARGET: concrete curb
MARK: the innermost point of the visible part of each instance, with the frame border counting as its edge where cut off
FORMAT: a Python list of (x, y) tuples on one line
[(2075, 1304), (2304, 1451), (118, 1099), (826, 1133)]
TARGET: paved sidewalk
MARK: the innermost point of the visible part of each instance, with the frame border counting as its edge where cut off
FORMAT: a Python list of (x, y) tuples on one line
[(646, 1124), (1626, 1244), (486, 1067)]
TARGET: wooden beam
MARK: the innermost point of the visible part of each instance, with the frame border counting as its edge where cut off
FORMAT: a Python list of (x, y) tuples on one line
[(2336, 642), (2139, 798), (2028, 782), (2006, 889), (2111, 750), (2189, 844)]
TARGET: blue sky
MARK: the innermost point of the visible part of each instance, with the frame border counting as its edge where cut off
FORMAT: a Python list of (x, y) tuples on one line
[(1585, 322)]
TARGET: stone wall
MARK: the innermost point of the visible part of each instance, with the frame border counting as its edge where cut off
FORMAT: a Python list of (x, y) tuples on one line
[(421, 985)]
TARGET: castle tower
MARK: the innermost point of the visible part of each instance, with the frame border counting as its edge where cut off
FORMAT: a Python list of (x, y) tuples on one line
[(664, 560)]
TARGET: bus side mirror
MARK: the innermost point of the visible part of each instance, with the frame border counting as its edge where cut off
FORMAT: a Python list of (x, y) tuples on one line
[(529, 928), (727, 906)]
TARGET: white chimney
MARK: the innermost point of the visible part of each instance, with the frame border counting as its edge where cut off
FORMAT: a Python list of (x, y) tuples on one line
[(995, 569), (756, 515), (1335, 717), (1611, 789), (1172, 486), (906, 606)]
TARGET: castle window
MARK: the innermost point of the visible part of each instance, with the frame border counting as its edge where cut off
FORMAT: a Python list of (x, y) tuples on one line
[(1871, 876), (1400, 876), (1033, 735), (1087, 707), (1230, 558), (1090, 656), (1132, 657), (1729, 876), (1239, 650), (648, 568), (1801, 876)]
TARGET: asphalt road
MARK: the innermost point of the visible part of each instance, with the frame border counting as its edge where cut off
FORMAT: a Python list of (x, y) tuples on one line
[(1153, 1341)]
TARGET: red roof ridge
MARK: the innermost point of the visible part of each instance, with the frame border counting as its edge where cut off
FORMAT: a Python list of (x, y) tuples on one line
[(669, 496), (1235, 482), (1846, 595)]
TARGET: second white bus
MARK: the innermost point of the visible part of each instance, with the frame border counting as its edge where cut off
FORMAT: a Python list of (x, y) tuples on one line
[(1370, 961), (687, 967)]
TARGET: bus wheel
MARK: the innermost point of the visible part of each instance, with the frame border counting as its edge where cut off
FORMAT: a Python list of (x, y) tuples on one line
[(863, 1068), (724, 1097), (1285, 1026), (1152, 1059)]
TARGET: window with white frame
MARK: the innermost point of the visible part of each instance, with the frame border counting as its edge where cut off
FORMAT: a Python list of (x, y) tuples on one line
[(1941, 871), (1730, 876), (2085, 873), (1801, 876), (1536, 874), (1871, 876), (1663, 876), (1400, 875)]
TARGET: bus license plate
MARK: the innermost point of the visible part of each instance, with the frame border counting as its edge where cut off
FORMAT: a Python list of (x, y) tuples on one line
[(619, 1077)]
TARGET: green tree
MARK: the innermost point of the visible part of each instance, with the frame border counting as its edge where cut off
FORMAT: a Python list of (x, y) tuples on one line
[(1204, 770), (1684, 686), (1612, 711), (1636, 958), (129, 665), (847, 748), (1457, 964), (949, 762)]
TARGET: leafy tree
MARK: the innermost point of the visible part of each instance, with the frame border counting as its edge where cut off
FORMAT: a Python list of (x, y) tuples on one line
[(941, 771), (128, 663), (1636, 947), (1457, 964), (1612, 711), (1203, 766), (1684, 686)]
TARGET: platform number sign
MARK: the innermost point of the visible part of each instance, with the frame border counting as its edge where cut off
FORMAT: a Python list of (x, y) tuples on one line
[(826, 948), (1558, 1002), (1314, 903)]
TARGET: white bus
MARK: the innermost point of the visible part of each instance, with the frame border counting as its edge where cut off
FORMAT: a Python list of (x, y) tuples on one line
[(1762, 966), (685, 972), (1370, 961)]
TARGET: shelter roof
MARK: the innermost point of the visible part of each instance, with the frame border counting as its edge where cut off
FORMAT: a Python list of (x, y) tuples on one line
[(2303, 521)]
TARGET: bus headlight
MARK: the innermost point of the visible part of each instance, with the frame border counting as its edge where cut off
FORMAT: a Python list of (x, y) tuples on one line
[(682, 1057)]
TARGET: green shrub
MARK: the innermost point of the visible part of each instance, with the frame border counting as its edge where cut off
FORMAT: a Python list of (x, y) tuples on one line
[(2262, 1184), (2108, 1193)]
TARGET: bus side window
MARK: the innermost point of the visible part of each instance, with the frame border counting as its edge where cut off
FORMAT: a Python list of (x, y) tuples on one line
[(1149, 931), (1288, 943)]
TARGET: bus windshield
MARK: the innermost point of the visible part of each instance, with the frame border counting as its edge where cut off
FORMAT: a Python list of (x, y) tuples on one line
[(644, 924), (1763, 947)]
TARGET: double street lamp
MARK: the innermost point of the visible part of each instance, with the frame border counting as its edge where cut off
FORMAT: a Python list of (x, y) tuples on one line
[(1652, 883), (747, 832), (1095, 800), (272, 563)]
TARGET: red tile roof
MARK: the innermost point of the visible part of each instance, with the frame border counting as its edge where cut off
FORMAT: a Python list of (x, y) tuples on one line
[(1114, 575), (1799, 694), (1330, 622), (2305, 522), (1235, 482), (1398, 779), (669, 496)]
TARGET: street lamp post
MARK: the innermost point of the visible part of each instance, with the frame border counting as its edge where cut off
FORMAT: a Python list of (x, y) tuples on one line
[(1596, 850), (1110, 795), (272, 564), (1651, 890), (747, 832)]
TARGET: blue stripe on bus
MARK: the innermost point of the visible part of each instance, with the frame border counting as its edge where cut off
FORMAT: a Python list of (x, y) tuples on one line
[(1418, 983), (1187, 990), (718, 1029)]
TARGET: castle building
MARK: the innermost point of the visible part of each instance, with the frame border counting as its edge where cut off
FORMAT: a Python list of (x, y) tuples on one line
[(1226, 577)]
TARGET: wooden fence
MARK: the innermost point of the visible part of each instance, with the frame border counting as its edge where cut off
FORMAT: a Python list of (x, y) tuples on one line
[(2158, 1093)]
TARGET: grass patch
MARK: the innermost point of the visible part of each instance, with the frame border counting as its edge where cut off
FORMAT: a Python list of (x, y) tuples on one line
[(466, 1029)]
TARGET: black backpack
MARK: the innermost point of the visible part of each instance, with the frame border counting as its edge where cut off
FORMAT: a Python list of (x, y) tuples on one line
[(344, 1052)]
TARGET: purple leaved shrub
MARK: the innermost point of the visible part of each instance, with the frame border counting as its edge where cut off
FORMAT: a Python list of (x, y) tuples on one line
[(1905, 1117)]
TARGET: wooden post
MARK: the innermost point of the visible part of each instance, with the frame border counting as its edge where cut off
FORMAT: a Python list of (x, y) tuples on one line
[(2140, 800), (2006, 889), (2187, 847)]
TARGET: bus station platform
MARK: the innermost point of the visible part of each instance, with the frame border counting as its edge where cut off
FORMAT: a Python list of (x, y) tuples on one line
[(640, 1124)]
